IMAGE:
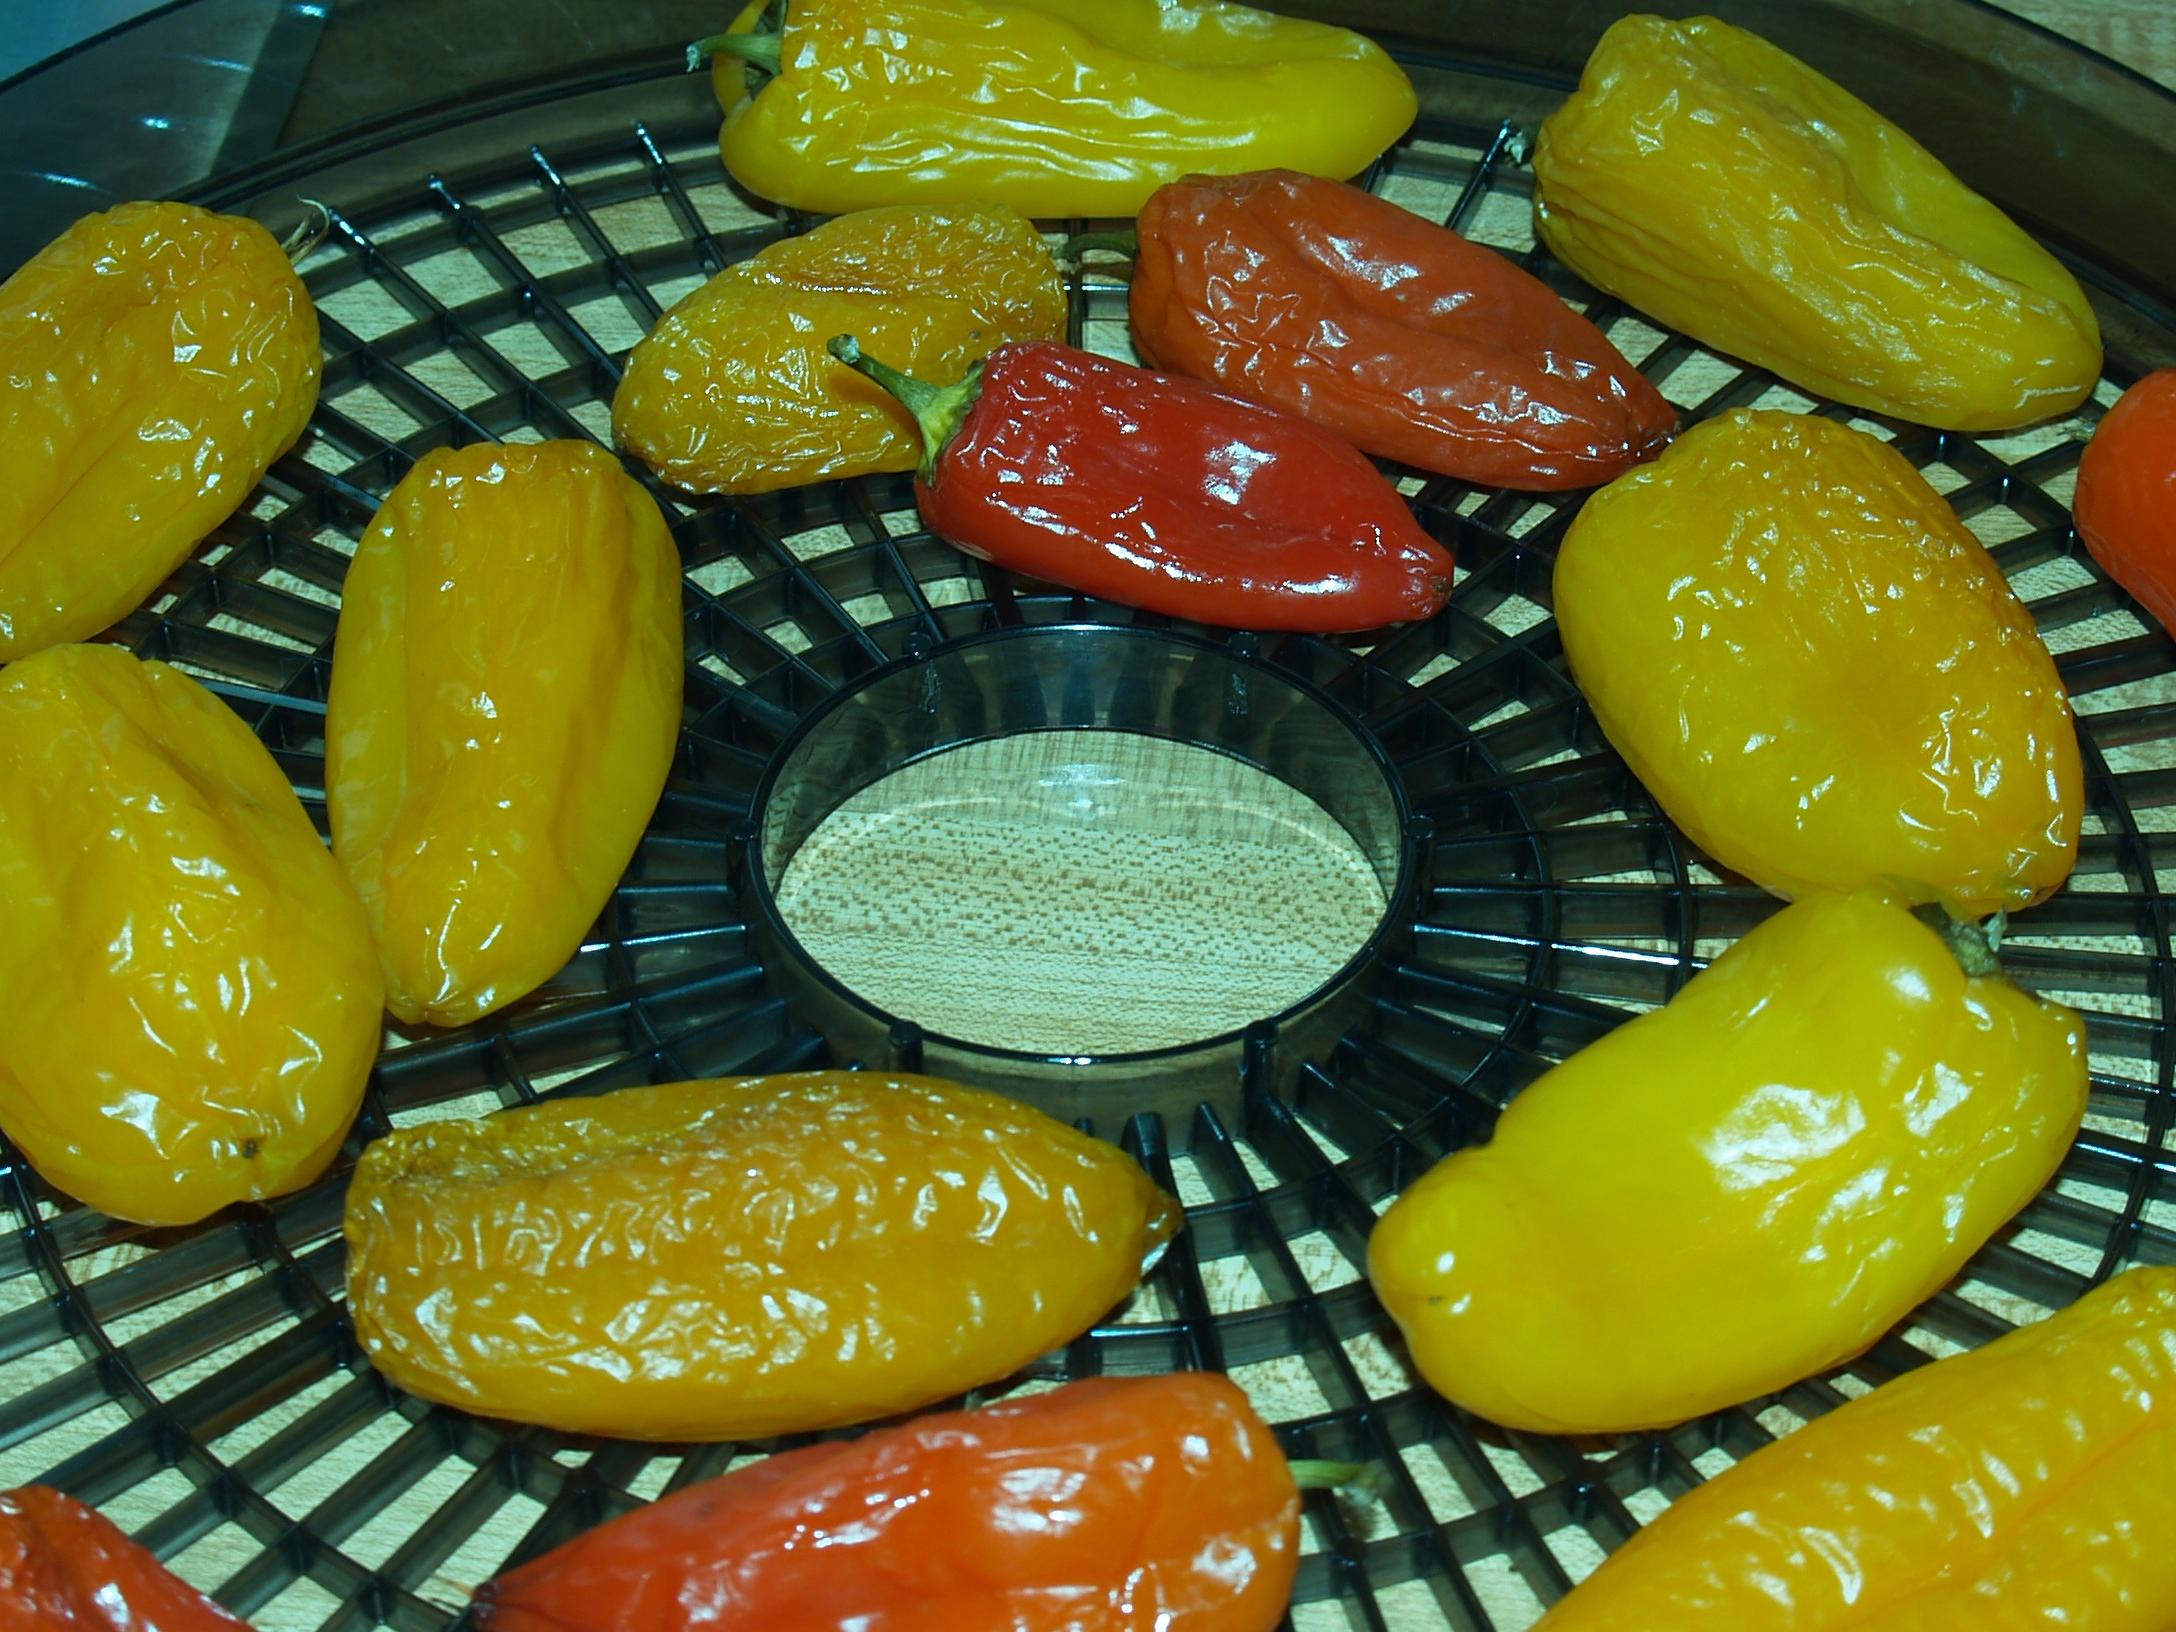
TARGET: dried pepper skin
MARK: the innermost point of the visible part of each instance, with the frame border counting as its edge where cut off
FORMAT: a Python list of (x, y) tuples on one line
[(733, 391), (1050, 107), (1818, 672), (65, 1567), (1739, 1189), (1152, 1504), (505, 705), (1401, 336), (193, 1000), (730, 1260), (2126, 501), (2027, 1484), (1722, 186), (154, 360)]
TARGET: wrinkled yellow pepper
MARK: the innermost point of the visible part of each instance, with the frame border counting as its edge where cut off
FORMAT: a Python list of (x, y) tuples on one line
[(1721, 185), (1051, 107), (1818, 672), (2026, 1485), (154, 361), (1738, 1189), (504, 707), (733, 391), (728, 1260), (193, 1003)]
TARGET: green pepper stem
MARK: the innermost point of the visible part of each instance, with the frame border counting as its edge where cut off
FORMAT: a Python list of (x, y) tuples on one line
[(1973, 945), (937, 409), (1360, 1480), (758, 50), (1082, 244), (316, 225)]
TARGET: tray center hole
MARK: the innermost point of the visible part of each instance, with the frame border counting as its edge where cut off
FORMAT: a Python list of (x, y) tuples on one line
[(1081, 892)]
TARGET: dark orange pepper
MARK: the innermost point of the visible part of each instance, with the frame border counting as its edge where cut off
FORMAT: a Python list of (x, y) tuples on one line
[(65, 1568)]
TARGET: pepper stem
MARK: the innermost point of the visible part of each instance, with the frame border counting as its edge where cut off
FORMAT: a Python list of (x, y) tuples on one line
[(1973, 945), (937, 409), (316, 225), (1082, 244), (760, 47), (1360, 1480)]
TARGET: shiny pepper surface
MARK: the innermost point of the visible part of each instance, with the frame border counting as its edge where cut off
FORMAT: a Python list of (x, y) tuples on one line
[(2026, 1485), (1154, 1504), (2126, 502), (1818, 672), (1411, 343), (728, 1260), (1743, 1187), (504, 707), (192, 999), (154, 361), (1722, 186), (66, 1568), (1051, 107), (733, 391)]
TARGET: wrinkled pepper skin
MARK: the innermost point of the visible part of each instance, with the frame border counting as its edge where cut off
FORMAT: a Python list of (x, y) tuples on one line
[(1818, 672), (504, 708), (1739, 1189), (2126, 500), (1151, 1504), (2028, 1484), (729, 1260), (1411, 343), (1722, 186), (193, 1004), (65, 1567), (733, 391), (1053, 108), (154, 360)]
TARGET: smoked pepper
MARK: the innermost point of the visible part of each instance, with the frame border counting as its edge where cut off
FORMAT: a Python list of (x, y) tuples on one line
[(193, 1004), (1818, 672), (2126, 501), (1411, 343), (154, 360), (1741, 1188), (1112, 1505), (1050, 107), (505, 705), (66, 1568), (2028, 1484), (733, 391), (1722, 186), (728, 1260), (1164, 494)]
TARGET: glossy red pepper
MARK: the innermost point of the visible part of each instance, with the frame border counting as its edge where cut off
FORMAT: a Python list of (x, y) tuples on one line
[(1114, 1505), (65, 1568), (1401, 336), (2126, 503), (1163, 493)]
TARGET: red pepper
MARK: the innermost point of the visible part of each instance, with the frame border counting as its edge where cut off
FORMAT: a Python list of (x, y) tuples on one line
[(1401, 336), (65, 1568), (1164, 494), (2126, 502), (1105, 1506)]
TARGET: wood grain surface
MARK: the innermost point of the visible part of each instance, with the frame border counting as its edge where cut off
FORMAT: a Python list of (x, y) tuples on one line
[(2140, 34)]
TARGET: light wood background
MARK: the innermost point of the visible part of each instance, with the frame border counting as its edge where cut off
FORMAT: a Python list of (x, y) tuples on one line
[(2139, 34)]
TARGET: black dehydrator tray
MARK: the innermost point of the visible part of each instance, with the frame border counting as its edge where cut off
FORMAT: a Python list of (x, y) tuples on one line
[(493, 254)]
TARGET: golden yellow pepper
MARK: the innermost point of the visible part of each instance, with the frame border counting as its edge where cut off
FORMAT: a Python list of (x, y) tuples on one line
[(1740, 1188), (1722, 186), (504, 707), (2028, 1484), (193, 1003), (1051, 107), (733, 391), (154, 360), (729, 1260), (1818, 672)]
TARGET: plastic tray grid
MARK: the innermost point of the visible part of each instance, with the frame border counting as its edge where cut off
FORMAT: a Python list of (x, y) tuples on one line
[(202, 1385)]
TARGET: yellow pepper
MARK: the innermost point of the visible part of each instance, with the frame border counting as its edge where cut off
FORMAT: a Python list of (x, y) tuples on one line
[(504, 707), (1051, 107), (1722, 186), (729, 1260), (193, 1003), (733, 391), (2028, 1484), (1818, 672), (1743, 1187), (154, 361)]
